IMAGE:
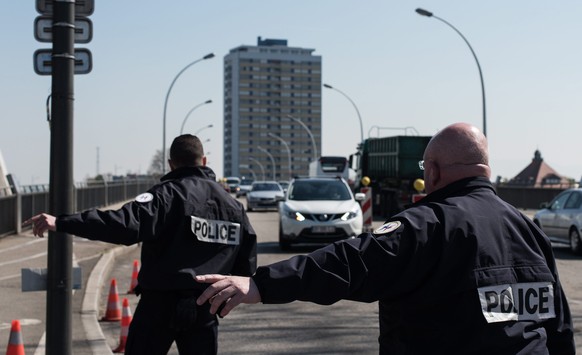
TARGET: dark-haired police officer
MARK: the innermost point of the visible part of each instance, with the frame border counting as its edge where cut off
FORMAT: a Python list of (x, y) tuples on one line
[(187, 223), (459, 272)]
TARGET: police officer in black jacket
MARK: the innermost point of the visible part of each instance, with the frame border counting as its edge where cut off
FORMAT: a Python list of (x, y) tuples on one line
[(459, 272), (185, 223)]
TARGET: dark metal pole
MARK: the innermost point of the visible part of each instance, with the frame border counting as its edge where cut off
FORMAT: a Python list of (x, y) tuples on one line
[(59, 275)]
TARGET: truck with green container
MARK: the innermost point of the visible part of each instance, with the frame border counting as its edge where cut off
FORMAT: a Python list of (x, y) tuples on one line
[(391, 164)]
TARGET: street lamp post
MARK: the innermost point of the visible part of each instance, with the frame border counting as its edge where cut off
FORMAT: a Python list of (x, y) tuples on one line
[(253, 174), (308, 132), (353, 104), (426, 13), (251, 170), (260, 166), (208, 56), (286, 147), (203, 128), (272, 161), (189, 112)]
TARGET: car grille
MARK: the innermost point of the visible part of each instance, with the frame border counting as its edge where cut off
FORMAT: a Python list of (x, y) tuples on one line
[(322, 217)]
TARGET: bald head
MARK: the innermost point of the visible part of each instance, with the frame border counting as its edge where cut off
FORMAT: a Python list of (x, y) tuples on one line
[(456, 152)]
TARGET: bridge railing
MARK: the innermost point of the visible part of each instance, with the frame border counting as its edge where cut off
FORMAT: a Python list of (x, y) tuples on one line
[(17, 205)]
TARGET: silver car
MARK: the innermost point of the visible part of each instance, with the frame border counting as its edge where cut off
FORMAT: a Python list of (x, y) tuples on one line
[(264, 195), (561, 220)]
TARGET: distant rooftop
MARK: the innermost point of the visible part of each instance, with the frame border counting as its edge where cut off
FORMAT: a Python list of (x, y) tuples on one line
[(538, 174), (271, 42), (274, 46)]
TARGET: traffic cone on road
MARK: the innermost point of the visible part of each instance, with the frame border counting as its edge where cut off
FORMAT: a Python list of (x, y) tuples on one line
[(113, 313), (134, 277), (125, 321), (15, 345)]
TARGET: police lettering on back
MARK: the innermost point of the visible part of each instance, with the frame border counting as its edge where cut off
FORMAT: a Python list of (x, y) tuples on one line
[(214, 231), (516, 302)]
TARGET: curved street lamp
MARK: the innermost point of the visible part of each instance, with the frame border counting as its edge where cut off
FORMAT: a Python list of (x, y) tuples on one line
[(189, 112), (286, 147), (426, 13), (208, 56), (272, 161), (203, 128), (353, 104), (260, 166), (252, 172), (308, 132)]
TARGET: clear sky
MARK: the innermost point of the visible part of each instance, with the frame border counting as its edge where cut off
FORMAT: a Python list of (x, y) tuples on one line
[(401, 70)]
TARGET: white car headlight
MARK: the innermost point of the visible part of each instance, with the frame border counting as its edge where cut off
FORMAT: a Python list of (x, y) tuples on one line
[(351, 214), (298, 217), (293, 214)]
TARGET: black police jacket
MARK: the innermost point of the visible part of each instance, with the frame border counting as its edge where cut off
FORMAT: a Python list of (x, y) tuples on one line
[(459, 272), (186, 221)]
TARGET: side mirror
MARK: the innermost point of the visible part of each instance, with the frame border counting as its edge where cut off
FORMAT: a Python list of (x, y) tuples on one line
[(280, 198), (360, 196), (544, 205)]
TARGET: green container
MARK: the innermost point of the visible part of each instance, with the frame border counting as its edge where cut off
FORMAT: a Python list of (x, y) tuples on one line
[(394, 157)]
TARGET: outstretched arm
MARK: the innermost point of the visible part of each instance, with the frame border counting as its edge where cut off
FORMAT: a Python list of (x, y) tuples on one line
[(41, 223), (227, 292)]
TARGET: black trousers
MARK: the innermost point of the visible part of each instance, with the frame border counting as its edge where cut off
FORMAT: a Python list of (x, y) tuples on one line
[(164, 317)]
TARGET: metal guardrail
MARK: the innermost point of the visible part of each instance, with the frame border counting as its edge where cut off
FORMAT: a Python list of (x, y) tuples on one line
[(17, 205)]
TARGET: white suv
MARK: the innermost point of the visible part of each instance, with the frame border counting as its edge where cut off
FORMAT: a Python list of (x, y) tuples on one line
[(319, 210)]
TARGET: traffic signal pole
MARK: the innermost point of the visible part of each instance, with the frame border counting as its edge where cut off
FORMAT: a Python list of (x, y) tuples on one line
[(61, 194)]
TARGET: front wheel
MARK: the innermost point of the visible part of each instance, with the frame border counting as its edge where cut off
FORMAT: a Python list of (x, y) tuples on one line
[(575, 243)]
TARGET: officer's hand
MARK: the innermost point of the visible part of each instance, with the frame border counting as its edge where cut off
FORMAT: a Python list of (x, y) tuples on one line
[(41, 223), (227, 292)]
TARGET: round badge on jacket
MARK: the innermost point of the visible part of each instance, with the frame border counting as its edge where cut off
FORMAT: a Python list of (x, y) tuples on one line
[(388, 227), (145, 197)]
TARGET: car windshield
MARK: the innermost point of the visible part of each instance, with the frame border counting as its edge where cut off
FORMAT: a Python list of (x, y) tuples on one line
[(266, 187), (319, 190), (246, 183)]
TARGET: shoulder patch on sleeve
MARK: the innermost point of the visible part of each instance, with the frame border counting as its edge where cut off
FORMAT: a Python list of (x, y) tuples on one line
[(145, 197), (387, 227)]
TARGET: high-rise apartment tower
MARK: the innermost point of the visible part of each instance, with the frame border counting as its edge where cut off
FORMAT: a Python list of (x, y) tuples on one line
[(272, 110)]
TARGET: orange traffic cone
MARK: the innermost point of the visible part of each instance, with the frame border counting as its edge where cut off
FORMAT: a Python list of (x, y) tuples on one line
[(125, 321), (113, 313), (15, 345), (134, 277)]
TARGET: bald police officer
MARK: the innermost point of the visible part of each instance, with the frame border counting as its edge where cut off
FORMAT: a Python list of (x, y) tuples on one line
[(459, 272)]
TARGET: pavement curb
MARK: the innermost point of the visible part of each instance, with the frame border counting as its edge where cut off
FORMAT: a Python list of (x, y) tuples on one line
[(90, 306)]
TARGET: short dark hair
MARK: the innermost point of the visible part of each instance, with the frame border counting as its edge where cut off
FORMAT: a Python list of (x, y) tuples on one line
[(186, 150)]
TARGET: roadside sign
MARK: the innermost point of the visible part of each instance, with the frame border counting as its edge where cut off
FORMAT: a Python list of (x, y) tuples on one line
[(43, 29), (43, 61), (82, 7)]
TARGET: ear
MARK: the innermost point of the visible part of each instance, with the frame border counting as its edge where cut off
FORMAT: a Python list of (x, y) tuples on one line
[(172, 167), (435, 175), (204, 160)]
